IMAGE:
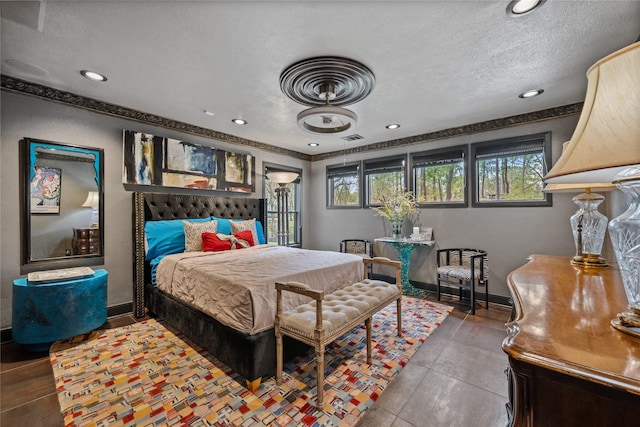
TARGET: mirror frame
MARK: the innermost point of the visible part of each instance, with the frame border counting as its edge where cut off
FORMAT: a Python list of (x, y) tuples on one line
[(27, 163)]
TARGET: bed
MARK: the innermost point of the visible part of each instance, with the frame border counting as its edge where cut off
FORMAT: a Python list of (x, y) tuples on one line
[(224, 301)]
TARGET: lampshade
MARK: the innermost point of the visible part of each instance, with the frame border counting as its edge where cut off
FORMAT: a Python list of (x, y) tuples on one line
[(93, 200), (607, 137), (282, 177), (578, 187)]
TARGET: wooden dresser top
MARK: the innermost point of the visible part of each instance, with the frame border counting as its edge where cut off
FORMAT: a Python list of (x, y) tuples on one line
[(562, 322)]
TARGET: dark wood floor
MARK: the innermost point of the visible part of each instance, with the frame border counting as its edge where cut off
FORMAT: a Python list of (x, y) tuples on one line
[(456, 378)]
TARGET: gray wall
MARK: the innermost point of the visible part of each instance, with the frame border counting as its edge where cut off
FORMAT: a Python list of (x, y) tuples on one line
[(24, 116), (508, 234)]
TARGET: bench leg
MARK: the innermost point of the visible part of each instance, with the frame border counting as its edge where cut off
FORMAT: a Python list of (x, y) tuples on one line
[(278, 357), (319, 375), (367, 323), (399, 311)]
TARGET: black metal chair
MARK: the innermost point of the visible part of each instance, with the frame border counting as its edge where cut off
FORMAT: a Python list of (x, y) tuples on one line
[(464, 268), (360, 247), (357, 246)]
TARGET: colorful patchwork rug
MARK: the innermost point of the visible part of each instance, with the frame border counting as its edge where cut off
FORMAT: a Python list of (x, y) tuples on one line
[(145, 375)]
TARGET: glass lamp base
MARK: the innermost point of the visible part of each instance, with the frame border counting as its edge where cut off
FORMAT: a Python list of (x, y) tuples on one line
[(589, 260), (625, 236)]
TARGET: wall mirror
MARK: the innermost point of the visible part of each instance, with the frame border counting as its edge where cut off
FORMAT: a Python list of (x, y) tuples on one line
[(61, 205)]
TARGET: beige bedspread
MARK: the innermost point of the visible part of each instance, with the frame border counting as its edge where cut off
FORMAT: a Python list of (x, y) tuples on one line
[(238, 287)]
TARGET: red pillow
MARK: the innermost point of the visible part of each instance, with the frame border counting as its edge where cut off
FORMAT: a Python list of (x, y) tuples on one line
[(212, 243), (244, 235)]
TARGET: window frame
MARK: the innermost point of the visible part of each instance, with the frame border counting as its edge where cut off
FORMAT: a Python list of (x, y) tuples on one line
[(329, 185), (512, 144), (441, 154), (380, 162), (295, 239)]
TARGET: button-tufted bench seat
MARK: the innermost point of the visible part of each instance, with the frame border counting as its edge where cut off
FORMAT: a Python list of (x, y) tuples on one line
[(326, 318)]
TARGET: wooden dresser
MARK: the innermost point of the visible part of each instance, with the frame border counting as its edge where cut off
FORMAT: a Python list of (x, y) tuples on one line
[(86, 241), (568, 365)]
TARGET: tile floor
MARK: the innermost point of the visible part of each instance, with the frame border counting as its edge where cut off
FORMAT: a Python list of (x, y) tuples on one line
[(456, 378)]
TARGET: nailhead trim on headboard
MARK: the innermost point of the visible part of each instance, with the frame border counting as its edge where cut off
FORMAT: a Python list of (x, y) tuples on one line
[(162, 206)]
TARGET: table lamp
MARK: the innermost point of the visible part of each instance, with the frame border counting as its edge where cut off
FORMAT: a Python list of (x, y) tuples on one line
[(605, 147), (93, 201), (588, 225)]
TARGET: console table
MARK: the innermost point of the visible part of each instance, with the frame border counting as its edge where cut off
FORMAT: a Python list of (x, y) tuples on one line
[(568, 365), (44, 312), (404, 247)]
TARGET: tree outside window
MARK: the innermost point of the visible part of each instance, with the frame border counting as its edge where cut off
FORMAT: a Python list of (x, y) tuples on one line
[(509, 172), (383, 177), (439, 177), (343, 186)]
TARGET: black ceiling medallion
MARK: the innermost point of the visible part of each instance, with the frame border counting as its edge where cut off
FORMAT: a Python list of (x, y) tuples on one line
[(326, 83), (305, 81)]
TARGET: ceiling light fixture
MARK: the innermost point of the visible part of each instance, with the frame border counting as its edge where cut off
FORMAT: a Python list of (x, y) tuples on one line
[(313, 144), (209, 113), (327, 119), (530, 93), (522, 7), (326, 84), (92, 75), (392, 126), (239, 121)]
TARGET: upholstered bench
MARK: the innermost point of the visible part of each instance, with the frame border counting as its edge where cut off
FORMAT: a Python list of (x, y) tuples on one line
[(327, 317)]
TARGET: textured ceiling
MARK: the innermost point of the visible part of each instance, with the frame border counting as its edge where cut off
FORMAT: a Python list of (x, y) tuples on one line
[(437, 64)]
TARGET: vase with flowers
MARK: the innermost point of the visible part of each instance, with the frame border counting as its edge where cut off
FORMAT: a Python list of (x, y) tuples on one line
[(396, 207)]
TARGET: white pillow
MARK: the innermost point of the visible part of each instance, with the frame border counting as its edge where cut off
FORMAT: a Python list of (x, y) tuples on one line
[(246, 225), (193, 234)]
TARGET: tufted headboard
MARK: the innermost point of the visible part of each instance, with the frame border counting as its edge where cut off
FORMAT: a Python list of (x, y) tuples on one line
[(162, 206)]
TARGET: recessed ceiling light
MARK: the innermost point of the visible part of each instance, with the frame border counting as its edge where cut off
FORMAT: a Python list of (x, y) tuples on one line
[(313, 144), (92, 75), (239, 121), (522, 7), (530, 93), (208, 113), (393, 126)]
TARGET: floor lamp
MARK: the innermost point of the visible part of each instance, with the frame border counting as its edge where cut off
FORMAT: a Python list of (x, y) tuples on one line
[(282, 194)]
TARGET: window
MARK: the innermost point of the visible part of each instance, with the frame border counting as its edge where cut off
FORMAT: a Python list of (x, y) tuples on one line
[(383, 176), (508, 172), (294, 203), (343, 186), (439, 177)]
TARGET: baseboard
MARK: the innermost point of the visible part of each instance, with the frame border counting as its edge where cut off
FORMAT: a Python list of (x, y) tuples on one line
[(118, 310), (453, 291), (5, 335), (114, 310)]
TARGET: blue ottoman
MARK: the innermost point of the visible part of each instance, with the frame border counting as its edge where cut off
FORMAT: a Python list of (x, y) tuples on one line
[(47, 312)]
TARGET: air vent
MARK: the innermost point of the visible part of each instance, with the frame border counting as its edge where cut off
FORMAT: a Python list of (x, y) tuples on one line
[(353, 137)]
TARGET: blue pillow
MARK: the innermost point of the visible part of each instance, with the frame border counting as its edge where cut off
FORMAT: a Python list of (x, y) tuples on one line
[(224, 227), (260, 232), (166, 237)]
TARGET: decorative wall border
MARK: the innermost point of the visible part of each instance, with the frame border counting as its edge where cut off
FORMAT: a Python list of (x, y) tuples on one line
[(486, 126), (21, 86)]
